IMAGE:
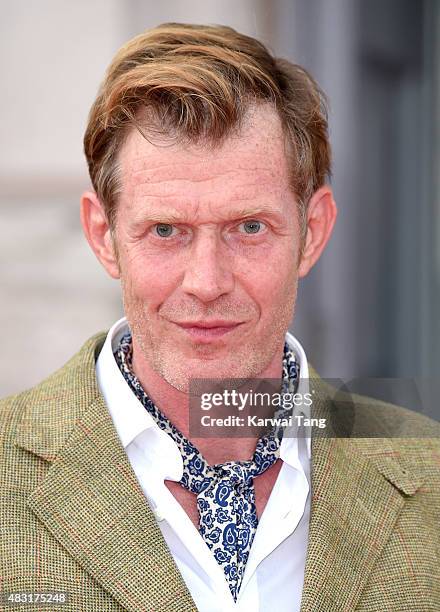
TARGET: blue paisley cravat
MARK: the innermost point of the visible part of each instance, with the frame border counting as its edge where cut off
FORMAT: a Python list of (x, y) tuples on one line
[(225, 492)]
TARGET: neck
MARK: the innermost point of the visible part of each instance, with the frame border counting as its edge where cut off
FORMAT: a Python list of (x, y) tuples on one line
[(174, 404)]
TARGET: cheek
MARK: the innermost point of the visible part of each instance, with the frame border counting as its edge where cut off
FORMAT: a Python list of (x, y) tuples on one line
[(147, 279), (270, 280), (278, 295)]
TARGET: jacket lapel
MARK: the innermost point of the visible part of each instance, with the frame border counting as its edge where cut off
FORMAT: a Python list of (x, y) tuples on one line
[(90, 499), (359, 487)]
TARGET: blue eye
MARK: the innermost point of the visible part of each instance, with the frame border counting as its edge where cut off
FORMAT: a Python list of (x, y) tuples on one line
[(164, 230), (252, 226)]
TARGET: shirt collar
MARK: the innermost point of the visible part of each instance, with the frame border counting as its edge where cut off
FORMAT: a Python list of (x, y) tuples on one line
[(130, 417), (128, 414), (303, 409)]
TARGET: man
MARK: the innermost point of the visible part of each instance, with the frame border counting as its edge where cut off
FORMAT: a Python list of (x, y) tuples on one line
[(208, 159)]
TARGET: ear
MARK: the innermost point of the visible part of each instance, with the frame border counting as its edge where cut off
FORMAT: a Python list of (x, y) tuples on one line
[(321, 217), (98, 234)]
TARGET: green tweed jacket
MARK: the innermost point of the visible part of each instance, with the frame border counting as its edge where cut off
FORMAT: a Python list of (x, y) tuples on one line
[(73, 516)]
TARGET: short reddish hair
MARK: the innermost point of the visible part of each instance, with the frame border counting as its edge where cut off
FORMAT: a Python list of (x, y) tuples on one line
[(197, 82)]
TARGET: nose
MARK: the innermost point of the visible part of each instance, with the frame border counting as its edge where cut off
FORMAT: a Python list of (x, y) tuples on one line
[(207, 275)]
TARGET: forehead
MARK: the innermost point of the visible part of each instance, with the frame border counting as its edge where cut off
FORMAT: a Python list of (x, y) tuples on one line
[(249, 161)]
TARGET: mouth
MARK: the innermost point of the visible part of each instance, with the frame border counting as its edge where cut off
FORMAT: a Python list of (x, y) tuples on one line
[(208, 331)]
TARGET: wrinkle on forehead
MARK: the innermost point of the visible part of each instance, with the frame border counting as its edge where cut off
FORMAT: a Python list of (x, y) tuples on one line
[(146, 161), (216, 190), (249, 165)]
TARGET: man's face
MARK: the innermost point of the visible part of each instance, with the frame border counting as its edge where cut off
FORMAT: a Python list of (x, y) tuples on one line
[(208, 237)]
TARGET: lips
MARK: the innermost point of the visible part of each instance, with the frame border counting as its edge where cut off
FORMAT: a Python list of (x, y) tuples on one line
[(207, 331), (208, 324)]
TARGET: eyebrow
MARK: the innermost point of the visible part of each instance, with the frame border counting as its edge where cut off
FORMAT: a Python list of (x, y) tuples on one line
[(171, 215)]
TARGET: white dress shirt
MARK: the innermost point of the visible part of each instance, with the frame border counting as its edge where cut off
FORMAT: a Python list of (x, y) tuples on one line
[(274, 573)]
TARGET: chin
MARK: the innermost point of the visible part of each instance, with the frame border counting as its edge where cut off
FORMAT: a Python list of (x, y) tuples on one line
[(234, 367)]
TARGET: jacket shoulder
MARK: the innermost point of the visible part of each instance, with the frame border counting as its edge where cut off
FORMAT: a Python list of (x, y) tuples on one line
[(395, 419), (58, 386), (361, 417), (411, 435)]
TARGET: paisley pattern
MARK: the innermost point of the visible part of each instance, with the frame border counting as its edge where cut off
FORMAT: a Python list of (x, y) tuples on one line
[(225, 492)]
